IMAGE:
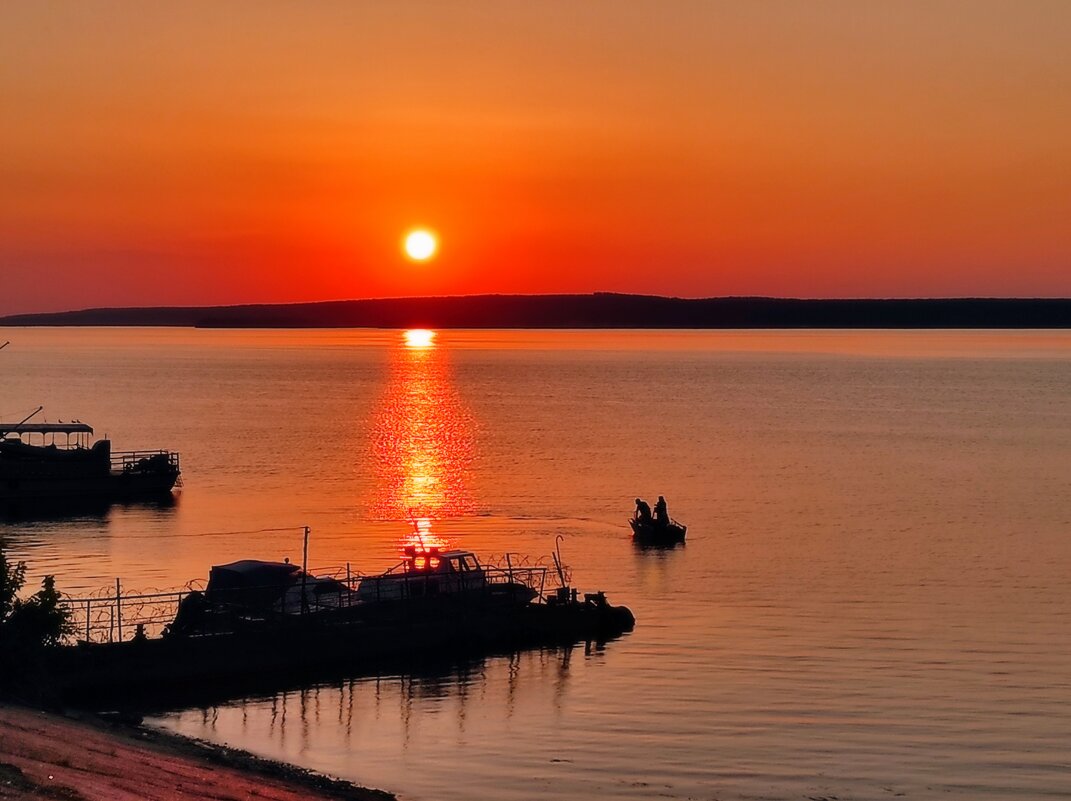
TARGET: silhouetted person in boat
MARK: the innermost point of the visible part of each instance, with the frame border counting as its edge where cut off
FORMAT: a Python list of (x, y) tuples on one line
[(643, 511), (661, 513)]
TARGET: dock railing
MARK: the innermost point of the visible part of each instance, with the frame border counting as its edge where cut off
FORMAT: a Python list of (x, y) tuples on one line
[(114, 615)]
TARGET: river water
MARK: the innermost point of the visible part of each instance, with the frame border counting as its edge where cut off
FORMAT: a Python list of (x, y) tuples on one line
[(873, 601)]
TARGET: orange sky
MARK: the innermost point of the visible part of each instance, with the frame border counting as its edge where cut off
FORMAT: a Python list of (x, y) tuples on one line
[(227, 152)]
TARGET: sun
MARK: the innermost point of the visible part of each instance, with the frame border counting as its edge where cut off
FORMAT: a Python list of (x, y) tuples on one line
[(421, 244), (419, 338)]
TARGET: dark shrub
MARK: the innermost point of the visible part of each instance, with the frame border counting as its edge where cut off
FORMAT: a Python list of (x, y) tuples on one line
[(29, 623)]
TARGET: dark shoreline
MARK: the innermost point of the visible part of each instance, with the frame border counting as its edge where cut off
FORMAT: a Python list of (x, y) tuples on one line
[(228, 756), (589, 311)]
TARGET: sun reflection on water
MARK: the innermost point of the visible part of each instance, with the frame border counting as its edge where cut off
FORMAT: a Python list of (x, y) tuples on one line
[(423, 443), (422, 537)]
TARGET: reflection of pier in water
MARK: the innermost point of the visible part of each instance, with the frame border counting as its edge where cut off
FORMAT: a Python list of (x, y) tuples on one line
[(423, 441), (360, 714)]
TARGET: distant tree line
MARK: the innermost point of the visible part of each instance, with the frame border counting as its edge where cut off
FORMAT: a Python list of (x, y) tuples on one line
[(598, 310)]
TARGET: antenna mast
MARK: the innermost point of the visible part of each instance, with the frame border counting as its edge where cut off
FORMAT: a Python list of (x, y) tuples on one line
[(27, 417)]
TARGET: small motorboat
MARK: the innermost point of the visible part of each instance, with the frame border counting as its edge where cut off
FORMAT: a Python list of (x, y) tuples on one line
[(652, 532)]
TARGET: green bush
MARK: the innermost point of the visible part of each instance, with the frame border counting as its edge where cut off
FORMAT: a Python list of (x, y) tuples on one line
[(29, 623)]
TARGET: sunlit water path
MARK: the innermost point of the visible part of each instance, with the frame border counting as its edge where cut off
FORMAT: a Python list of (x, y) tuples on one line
[(874, 599)]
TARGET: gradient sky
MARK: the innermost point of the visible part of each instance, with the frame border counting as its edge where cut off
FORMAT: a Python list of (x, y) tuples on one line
[(219, 152)]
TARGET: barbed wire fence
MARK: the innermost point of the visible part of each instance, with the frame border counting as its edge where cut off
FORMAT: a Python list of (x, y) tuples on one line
[(113, 614)]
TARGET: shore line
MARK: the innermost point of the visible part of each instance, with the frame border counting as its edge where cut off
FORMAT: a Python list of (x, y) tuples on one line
[(84, 757)]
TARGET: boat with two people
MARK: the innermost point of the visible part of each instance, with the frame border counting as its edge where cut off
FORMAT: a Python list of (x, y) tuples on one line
[(656, 528)]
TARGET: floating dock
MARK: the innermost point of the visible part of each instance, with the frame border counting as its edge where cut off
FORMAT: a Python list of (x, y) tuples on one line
[(131, 652)]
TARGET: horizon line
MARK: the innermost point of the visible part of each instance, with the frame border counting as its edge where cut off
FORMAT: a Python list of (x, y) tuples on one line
[(595, 293)]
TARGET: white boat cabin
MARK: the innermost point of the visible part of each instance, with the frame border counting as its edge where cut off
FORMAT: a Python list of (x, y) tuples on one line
[(425, 572)]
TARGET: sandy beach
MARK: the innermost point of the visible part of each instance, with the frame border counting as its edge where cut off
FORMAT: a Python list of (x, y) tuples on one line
[(48, 756)]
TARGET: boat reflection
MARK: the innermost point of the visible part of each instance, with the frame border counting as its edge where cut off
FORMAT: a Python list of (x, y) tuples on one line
[(80, 510), (423, 441), (661, 548)]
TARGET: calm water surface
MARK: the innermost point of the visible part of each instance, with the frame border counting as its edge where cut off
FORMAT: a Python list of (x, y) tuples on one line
[(873, 601)]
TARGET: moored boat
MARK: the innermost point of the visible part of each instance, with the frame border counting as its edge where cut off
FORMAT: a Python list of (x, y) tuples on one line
[(41, 461)]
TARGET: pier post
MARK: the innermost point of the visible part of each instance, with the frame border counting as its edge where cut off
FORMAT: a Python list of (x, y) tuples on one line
[(305, 572), (118, 610)]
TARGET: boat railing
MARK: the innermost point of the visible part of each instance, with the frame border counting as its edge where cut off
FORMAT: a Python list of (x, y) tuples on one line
[(532, 576), (138, 461), (425, 583), (115, 615)]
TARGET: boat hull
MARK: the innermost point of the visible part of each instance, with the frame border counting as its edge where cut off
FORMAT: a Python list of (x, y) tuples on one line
[(654, 534), (18, 486)]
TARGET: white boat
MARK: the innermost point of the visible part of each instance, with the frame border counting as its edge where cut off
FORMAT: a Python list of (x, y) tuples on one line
[(427, 572)]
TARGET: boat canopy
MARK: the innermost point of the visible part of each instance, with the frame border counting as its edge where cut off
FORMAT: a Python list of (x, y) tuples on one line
[(253, 584), (251, 573), (44, 428)]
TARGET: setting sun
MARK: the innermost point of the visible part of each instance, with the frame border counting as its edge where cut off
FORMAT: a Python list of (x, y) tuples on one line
[(421, 244), (419, 338)]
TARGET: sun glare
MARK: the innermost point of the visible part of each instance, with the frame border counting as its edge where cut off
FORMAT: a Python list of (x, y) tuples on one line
[(421, 244), (419, 338)]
